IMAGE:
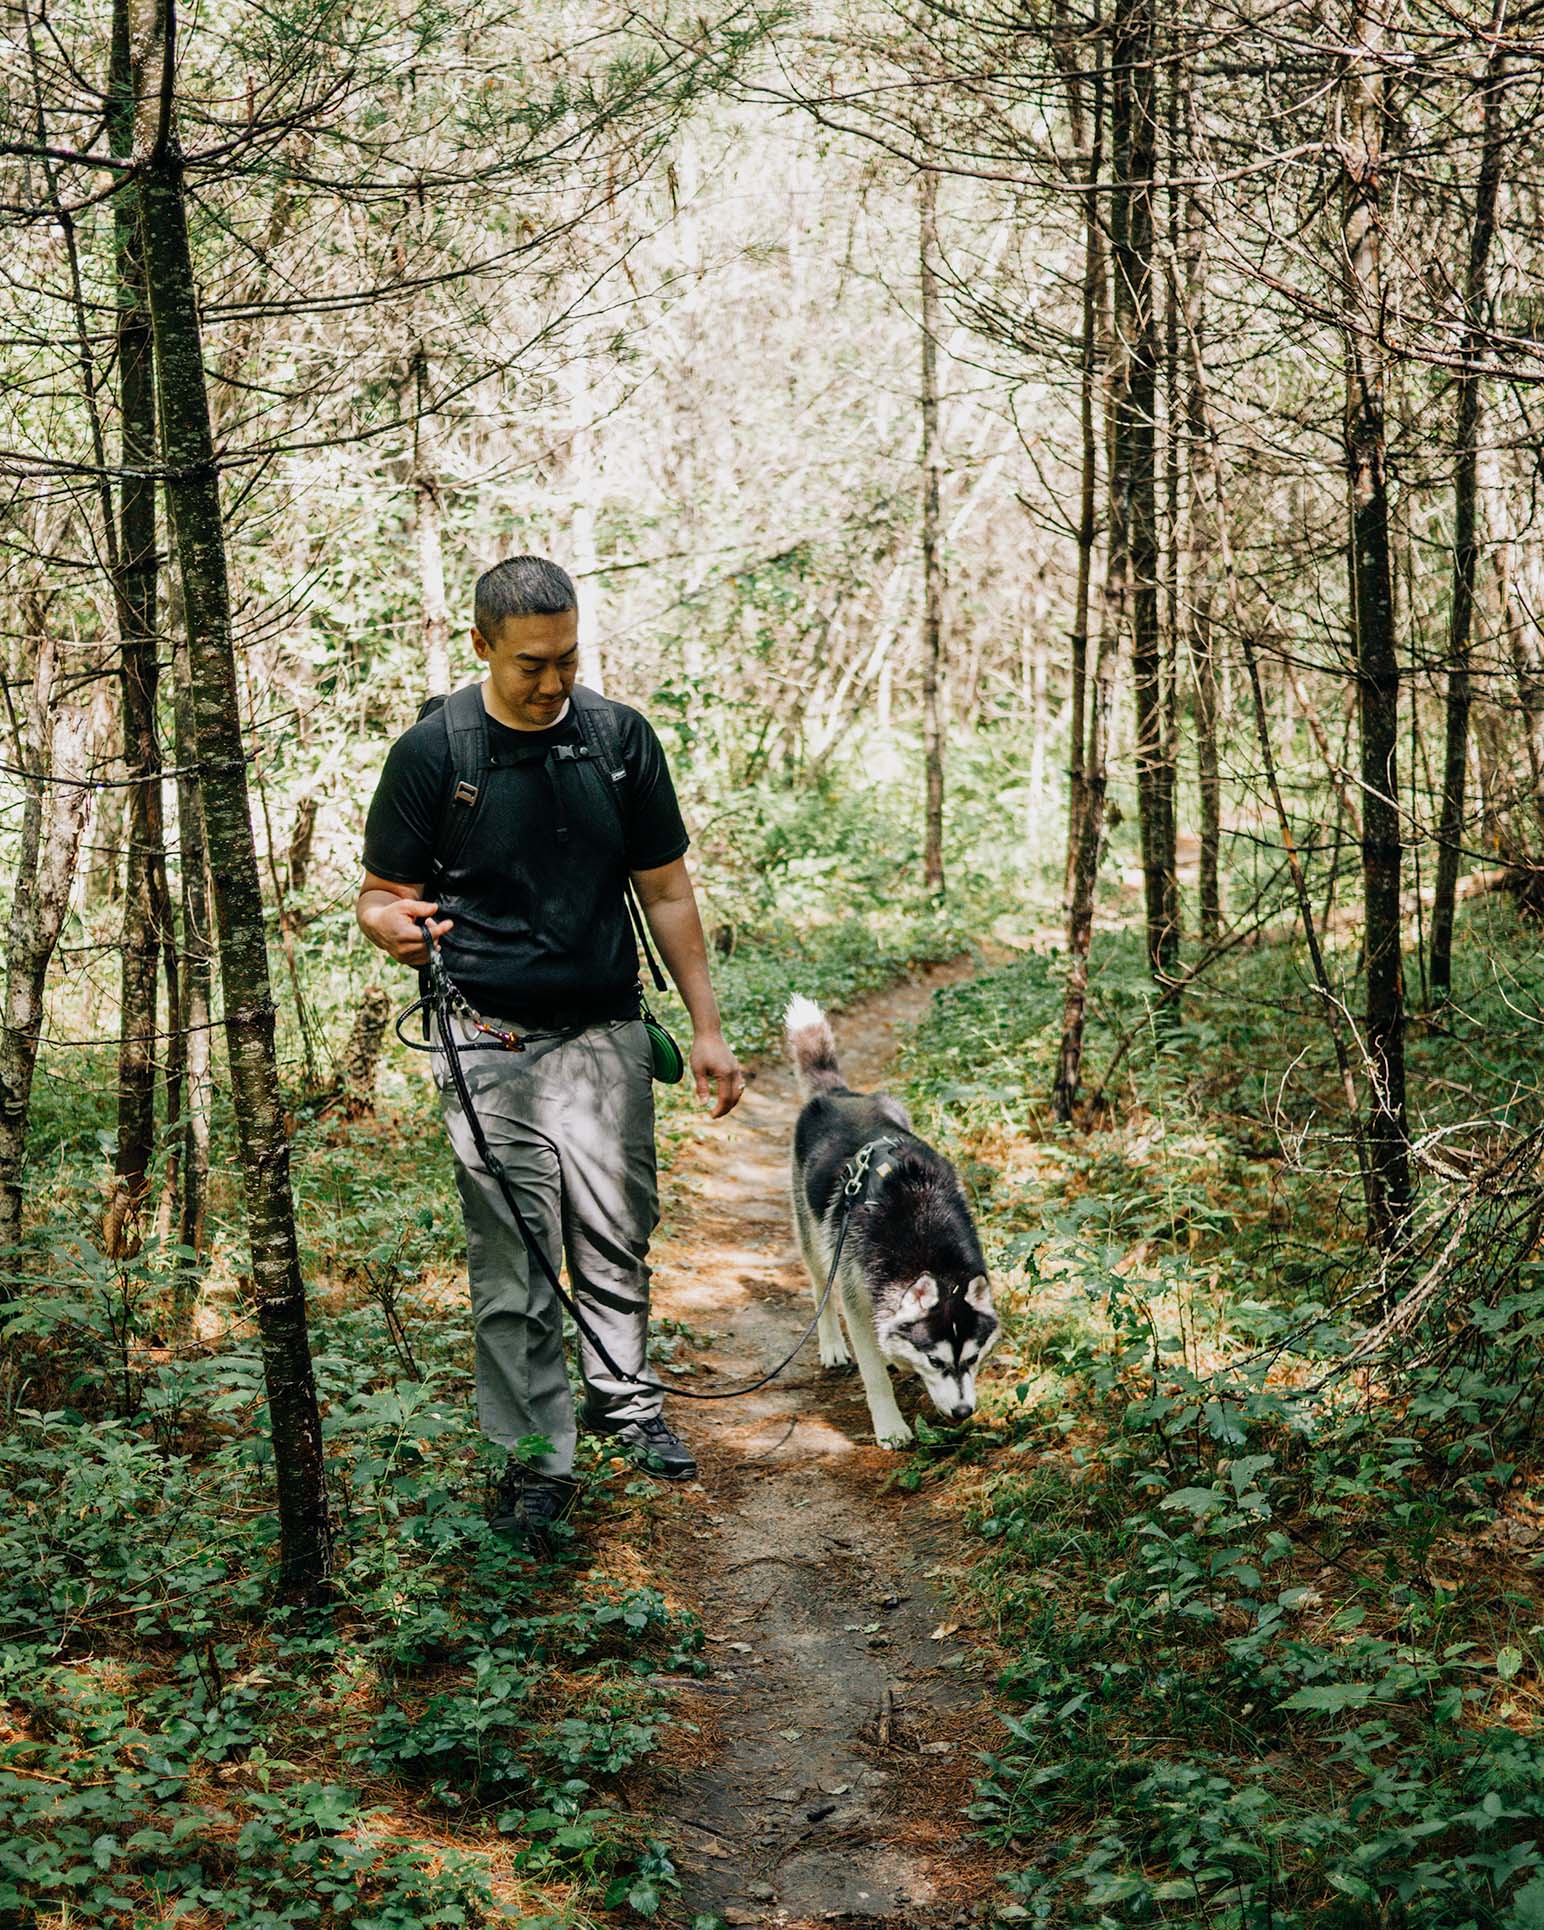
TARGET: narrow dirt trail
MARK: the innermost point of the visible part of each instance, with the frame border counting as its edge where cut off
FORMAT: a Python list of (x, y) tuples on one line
[(837, 1732)]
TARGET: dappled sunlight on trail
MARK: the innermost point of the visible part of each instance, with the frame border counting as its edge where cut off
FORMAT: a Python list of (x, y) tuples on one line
[(840, 1720)]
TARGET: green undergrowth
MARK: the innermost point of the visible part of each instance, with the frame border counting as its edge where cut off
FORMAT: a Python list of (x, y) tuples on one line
[(1273, 1634), (434, 1747), (440, 1745)]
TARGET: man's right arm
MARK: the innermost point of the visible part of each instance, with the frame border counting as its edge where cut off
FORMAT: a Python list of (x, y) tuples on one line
[(389, 916)]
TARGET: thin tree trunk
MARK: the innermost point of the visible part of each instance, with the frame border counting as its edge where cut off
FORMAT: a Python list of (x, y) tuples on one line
[(1085, 876), (1466, 549), (932, 559), (431, 552), (1201, 537), (193, 486), (144, 892), (1101, 714), (197, 974), (1521, 633), (1174, 545), (1134, 131), (1372, 615), (53, 817), (1088, 480)]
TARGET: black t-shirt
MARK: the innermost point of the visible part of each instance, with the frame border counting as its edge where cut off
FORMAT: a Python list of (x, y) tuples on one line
[(541, 926)]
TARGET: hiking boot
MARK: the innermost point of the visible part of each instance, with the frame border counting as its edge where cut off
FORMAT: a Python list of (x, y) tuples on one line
[(653, 1444), (529, 1504)]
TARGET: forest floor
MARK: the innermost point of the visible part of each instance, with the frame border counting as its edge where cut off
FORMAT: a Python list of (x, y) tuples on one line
[(830, 1754)]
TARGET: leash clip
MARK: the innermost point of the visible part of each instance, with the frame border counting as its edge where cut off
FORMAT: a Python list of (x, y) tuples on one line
[(857, 1169)]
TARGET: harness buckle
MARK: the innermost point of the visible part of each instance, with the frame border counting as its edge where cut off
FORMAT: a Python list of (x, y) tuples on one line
[(856, 1173)]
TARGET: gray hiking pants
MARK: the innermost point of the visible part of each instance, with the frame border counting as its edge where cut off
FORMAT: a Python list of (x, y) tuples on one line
[(572, 1120)]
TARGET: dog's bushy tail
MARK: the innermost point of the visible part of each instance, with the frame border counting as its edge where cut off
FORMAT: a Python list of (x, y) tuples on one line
[(811, 1047)]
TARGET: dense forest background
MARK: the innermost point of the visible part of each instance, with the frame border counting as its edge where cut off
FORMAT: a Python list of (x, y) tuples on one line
[(1065, 485)]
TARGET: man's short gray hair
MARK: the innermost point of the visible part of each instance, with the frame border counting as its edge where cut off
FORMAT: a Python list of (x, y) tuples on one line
[(521, 586)]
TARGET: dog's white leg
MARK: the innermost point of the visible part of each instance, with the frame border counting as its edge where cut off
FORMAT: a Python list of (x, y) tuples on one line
[(833, 1348), (890, 1426)]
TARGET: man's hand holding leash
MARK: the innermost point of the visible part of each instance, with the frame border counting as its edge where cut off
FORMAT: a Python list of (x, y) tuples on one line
[(392, 918)]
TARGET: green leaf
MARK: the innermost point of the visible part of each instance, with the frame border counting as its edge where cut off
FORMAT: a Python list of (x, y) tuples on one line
[(1508, 1661), (1196, 1501), (1329, 1697), (1527, 1912)]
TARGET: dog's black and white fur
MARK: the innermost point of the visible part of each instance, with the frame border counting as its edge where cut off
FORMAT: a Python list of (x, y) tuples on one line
[(912, 1285)]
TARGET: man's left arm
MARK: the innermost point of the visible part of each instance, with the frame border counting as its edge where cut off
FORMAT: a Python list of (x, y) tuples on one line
[(670, 906)]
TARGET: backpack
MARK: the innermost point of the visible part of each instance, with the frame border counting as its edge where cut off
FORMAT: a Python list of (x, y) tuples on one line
[(466, 729)]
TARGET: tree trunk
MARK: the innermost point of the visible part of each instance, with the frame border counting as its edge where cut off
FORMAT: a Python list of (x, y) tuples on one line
[(1201, 543), (932, 560), (1173, 507), (194, 490), (144, 894), (1101, 710), (1521, 634), (197, 974), (1466, 549), (1085, 875), (1088, 479), (362, 1054), (53, 818), (1372, 620), (1134, 132), (431, 552)]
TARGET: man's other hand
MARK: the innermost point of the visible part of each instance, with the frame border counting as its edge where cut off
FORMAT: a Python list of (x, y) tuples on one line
[(395, 918), (717, 1073)]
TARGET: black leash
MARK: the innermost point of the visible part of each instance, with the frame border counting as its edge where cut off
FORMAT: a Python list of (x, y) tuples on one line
[(444, 999)]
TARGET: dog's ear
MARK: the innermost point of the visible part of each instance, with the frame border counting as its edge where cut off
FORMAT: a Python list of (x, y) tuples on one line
[(979, 1294), (919, 1300)]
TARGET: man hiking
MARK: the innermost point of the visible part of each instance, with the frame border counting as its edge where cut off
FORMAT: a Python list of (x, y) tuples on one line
[(517, 865)]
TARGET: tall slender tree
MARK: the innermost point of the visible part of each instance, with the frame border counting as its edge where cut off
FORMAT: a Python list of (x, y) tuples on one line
[(1088, 845), (1199, 527), (144, 929), (1133, 126), (1363, 107), (193, 486), (1087, 129), (932, 544), (56, 743), (1466, 546)]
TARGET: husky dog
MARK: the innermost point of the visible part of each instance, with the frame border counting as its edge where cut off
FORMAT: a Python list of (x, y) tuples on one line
[(912, 1285)]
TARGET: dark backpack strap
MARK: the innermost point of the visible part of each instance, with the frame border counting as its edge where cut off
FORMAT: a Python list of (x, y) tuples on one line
[(597, 721), (466, 732)]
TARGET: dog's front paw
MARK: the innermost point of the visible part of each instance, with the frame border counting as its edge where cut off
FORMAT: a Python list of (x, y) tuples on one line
[(833, 1353), (899, 1436)]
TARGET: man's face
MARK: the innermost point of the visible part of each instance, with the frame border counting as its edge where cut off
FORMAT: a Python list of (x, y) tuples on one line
[(532, 663)]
